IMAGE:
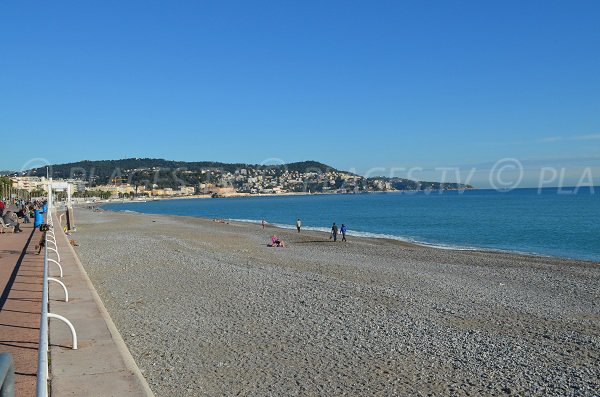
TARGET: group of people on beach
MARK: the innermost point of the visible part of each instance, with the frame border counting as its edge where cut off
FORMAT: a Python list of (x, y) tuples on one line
[(334, 232), (276, 242)]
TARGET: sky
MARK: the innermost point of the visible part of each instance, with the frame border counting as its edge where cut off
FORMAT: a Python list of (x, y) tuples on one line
[(508, 89)]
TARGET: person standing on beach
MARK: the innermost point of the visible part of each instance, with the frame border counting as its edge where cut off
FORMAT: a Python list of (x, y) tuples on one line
[(343, 230), (263, 223), (334, 232), (298, 224)]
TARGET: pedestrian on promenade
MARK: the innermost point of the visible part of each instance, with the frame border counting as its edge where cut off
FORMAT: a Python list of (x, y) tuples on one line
[(334, 232), (343, 230), (23, 213), (41, 244), (298, 224), (10, 219)]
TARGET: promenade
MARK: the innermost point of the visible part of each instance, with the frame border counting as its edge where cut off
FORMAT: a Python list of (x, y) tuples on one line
[(21, 273), (102, 364)]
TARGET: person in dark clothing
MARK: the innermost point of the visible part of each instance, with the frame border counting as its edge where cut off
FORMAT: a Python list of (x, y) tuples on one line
[(10, 219), (334, 232), (41, 244), (23, 213), (343, 230)]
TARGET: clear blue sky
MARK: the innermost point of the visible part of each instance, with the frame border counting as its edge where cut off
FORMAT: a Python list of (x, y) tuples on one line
[(355, 84)]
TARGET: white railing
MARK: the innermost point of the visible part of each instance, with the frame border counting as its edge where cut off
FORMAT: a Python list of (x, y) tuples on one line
[(42, 371)]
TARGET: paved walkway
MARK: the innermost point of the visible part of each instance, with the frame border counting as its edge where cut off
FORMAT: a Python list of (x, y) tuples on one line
[(21, 273), (102, 366)]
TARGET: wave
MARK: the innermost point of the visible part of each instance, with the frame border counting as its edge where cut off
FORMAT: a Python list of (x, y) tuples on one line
[(355, 233), (247, 221), (425, 222)]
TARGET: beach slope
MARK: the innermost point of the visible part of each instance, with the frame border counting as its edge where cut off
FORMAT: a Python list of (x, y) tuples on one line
[(207, 308)]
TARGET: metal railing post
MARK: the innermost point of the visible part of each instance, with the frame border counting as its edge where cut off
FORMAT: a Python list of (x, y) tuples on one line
[(42, 370), (7, 375), (55, 250), (62, 285), (57, 264), (73, 333)]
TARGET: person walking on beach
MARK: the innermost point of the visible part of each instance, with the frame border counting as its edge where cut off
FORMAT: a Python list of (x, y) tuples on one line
[(334, 232), (298, 224), (343, 230), (263, 223)]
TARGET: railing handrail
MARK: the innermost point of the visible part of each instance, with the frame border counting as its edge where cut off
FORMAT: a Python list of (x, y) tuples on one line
[(42, 369)]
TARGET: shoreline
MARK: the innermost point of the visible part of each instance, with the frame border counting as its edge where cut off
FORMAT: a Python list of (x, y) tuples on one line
[(206, 308), (378, 236), (245, 195)]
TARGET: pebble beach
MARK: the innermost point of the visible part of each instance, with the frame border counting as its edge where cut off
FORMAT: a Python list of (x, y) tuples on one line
[(207, 309)]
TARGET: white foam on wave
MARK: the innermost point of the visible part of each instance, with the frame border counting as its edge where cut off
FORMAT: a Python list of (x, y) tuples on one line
[(398, 238), (245, 220)]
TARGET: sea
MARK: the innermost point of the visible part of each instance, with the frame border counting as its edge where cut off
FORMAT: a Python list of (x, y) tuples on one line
[(556, 222)]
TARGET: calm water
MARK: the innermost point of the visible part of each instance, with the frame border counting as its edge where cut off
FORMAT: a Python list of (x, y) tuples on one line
[(521, 220)]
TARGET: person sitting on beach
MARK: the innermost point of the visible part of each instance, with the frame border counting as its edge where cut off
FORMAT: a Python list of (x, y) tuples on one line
[(276, 242)]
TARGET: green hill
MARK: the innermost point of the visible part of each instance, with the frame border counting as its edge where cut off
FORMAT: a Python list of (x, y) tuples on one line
[(165, 173)]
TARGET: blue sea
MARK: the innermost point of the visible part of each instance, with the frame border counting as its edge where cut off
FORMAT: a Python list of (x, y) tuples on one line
[(553, 222)]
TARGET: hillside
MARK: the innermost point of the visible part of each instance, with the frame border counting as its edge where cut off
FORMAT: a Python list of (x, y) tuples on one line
[(299, 176), (167, 173)]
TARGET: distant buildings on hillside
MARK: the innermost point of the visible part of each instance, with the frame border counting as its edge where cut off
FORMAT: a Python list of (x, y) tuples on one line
[(218, 183)]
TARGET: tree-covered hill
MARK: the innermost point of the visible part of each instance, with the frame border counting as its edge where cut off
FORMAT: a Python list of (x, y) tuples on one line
[(162, 173), (137, 169)]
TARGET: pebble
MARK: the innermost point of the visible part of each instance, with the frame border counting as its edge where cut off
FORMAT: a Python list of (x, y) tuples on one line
[(210, 310)]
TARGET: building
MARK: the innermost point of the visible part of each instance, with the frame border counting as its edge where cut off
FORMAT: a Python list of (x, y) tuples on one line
[(115, 190), (78, 185), (29, 183)]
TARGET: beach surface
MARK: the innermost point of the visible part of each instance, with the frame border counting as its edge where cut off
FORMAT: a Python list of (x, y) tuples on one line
[(206, 308)]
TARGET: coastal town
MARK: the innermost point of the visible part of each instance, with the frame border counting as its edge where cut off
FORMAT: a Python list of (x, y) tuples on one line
[(157, 182)]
